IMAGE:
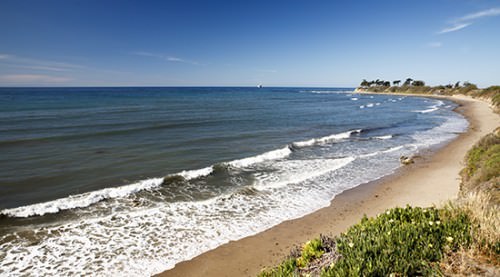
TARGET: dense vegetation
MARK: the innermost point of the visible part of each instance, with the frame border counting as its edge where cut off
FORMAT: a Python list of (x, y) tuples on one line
[(461, 238), (491, 94), (406, 241)]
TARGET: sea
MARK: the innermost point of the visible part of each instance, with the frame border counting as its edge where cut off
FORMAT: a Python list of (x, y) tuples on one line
[(129, 181)]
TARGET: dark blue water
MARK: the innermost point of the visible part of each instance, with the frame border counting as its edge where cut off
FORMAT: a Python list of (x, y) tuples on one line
[(89, 162)]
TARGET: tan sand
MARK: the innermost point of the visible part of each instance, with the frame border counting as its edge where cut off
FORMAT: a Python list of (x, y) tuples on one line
[(432, 180)]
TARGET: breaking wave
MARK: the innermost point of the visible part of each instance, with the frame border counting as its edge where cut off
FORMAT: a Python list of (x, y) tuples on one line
[(327, 139), (87, 199)]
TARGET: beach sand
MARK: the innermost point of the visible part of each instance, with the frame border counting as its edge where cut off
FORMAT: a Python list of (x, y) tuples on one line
[(431, 180)]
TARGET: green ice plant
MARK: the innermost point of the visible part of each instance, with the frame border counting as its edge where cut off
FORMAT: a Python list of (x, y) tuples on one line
[(401, 241)]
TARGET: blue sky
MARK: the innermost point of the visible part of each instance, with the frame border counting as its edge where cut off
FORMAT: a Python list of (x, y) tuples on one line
[(244, 43)]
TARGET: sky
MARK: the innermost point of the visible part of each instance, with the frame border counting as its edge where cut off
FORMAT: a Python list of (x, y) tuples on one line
[(246, 43)]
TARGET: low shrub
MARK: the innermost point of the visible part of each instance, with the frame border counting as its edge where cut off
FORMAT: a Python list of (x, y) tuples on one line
[(482, 163), (299, 258), (403, 241)]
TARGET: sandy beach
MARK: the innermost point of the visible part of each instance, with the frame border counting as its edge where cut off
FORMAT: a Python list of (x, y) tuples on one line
[(431, 180)]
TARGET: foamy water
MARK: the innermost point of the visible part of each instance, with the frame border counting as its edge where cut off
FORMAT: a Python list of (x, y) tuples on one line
[(148, 226)]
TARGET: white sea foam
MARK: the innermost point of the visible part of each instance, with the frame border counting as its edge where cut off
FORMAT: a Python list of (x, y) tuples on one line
[(362, 106), (193, 174), (446, 131), (354, 99), (297, 171), (327, 139), (390, 150), (81, 200), (90, 198), (148, 240), (429, 110), (432, 108), (369, 105), (271, 155), (383, 137)]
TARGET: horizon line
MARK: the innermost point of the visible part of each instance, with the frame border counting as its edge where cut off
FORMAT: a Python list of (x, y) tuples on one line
[(152, 86)]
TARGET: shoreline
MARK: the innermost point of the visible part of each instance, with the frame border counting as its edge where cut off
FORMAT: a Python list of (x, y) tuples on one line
[(413, 184)]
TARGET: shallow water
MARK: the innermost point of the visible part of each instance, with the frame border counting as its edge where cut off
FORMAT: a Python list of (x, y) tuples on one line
[(81, 180)]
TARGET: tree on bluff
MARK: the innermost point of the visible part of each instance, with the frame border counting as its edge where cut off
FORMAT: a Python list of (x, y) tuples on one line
[(418, 83), (408, 82)]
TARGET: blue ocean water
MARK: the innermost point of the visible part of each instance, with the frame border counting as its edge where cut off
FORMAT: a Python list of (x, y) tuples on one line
[(134, 180)]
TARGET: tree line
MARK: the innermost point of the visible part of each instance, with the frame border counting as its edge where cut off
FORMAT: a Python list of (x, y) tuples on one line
[(383, 83), (410, 82)]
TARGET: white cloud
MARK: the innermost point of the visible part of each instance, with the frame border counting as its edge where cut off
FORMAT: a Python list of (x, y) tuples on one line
[(454, 28), (467, 20), (32, 79), (174, 59), (435, 44), (485, 13)]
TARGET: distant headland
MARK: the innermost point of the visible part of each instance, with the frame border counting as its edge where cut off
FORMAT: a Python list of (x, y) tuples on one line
[(410, 86)]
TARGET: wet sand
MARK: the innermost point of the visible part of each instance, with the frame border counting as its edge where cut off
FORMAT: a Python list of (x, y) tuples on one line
[(432, 180)]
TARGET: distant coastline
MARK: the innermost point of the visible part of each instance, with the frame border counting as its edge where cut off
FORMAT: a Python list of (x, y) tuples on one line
[(418, 87)]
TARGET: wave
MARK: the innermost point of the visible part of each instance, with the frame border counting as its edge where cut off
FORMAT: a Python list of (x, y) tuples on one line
[(389, 150), (299, 171), (446, 131), (197, 173), (428, 110), (81, 200), (86, 199), (326, 139), (369, 105), (271, 155), (354, 99), (383, 137), (432, 108)]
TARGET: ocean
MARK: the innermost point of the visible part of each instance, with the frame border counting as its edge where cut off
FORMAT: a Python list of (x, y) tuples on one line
[(131, 181)]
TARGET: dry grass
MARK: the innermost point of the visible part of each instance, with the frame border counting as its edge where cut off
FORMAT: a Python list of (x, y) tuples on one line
[(485, 214), (480, 199), (465, 262)]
